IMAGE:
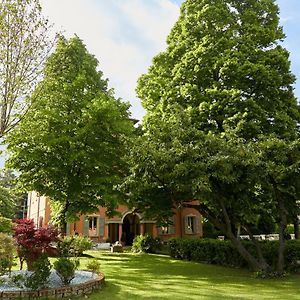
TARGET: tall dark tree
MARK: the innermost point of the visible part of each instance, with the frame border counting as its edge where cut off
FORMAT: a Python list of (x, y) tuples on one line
[(70, 145), (216, 100)]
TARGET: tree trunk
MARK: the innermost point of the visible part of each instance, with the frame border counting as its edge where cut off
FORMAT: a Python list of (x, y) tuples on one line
[(296, 227), (254, 264), (283, 223), (29, 263), (261, 258), (63, 222)]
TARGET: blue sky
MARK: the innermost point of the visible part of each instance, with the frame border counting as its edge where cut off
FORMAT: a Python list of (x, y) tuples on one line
[(125, 35)]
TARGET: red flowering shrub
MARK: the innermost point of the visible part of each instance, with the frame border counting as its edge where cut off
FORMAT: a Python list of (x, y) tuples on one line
[(32, 242)]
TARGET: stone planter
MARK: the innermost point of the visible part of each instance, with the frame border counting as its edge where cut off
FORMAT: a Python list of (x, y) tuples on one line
[(61, 292)]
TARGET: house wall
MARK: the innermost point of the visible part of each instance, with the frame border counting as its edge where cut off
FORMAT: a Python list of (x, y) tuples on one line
[(38, 209), (186, 222)]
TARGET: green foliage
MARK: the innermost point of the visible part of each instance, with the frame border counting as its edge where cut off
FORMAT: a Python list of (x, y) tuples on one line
[(73, 137), (209, 231), (93, 266), (74, 245), (65, 269), (7, 253), (41, 272), (290, 229), (38, 277), (206, 250), (11, 200), (6, 225), (221, 122), (7, 203), (224, 253), (18, 280), (266, 224), (146, 243)]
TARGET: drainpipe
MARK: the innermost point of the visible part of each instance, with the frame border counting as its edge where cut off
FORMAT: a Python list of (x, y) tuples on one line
[(38, 212), (29, 205)]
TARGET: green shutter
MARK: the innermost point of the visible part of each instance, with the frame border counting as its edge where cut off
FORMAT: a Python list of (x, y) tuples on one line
[(198, 224), (186, 230), (86, 226), (68, 229), (101, 224)]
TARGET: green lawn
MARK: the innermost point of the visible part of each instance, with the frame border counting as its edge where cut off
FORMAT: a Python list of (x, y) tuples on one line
[(142, 276)]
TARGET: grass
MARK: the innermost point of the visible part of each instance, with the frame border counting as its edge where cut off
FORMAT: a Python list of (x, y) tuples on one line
[(146, 276)]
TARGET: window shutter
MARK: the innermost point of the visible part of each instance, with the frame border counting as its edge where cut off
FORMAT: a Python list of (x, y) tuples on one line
[(186, 229), (68, 229), (86, 226), (101, 224), (198, 224)]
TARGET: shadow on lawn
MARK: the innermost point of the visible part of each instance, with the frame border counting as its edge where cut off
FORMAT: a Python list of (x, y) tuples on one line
[(143, 276)]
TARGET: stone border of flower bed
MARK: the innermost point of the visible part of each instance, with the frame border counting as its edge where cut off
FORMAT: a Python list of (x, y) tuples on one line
[(61, 292)]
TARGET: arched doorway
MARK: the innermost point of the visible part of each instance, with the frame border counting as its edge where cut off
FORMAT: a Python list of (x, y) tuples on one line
[(130, 228)]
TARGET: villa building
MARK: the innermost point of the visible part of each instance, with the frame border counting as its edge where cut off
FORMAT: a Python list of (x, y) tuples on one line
[(187, 222)]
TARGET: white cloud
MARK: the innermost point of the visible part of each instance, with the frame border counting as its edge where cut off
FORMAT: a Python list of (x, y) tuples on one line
[(123, 34)]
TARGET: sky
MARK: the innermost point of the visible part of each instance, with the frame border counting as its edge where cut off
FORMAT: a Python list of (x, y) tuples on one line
[(125, 35)]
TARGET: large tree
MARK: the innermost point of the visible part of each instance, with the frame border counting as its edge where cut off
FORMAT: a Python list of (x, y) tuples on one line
[(217, 99), (71, 143), (24, 46)]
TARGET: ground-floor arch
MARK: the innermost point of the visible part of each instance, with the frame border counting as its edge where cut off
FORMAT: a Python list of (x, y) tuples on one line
[(131, 227)]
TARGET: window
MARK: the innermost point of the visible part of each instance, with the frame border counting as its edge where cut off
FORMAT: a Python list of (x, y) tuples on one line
[(165, 230), (168, 228), (93, 226), (190, 224)]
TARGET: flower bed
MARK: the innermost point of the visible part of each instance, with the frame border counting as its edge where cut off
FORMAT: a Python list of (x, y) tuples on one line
[(83, 283)]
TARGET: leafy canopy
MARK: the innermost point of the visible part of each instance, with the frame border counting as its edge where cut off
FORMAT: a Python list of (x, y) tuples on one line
[(70, 145), (222, 120)]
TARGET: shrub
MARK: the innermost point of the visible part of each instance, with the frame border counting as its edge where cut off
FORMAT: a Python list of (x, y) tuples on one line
[(74, 245), (6, 225), (40, 275), (93, 266), (224, 253), (65, 269), (33, 242), (7, 252), (18, 280), (146, 243)]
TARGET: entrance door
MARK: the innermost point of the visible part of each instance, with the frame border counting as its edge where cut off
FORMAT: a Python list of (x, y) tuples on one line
[(130, 228), (113, 232)]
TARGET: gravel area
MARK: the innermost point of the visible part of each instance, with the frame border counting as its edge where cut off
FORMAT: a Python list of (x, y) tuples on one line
[(53, 282)]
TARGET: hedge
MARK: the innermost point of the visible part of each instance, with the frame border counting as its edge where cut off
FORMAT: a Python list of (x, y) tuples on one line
[(224, 253)]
